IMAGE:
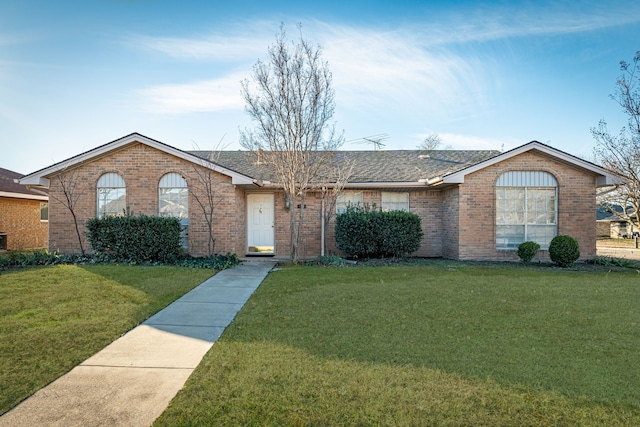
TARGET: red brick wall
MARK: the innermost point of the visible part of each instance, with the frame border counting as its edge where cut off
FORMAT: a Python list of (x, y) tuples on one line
[(310, 240), (20, 219), (427, 204), (142, 167), (458, 222), (576, 207), (450, 222)]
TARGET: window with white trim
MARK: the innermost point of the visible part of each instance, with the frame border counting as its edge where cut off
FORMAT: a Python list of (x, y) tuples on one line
[(173, 200), (44, 211), (112, 195), (393, 201), (348, 198), (526, 209)]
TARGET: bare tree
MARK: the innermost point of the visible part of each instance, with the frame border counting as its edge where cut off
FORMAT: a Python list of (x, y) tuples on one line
[(621, 153), (340, 174), (291, 101), (72, 191), (205, 193), (432, 142)]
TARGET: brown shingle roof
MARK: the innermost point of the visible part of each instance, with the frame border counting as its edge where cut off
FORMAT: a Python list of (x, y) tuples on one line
[(369, 166), (9, 186)]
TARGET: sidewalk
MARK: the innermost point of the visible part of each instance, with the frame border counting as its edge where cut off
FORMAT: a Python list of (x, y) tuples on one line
[(626, 253), (131, 381)]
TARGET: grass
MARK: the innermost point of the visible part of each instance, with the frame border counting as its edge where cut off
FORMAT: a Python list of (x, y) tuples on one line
[(427, 345), (53, 318)]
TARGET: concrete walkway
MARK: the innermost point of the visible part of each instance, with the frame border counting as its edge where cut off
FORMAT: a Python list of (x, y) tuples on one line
[(626, 253), (131, 381)]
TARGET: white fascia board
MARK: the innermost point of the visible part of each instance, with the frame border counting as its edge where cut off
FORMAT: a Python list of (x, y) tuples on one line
[(605, 178), (356, 185), (35, 180), (39, 178), (609, 180), (236, 178), (23, 196), (385, 184)]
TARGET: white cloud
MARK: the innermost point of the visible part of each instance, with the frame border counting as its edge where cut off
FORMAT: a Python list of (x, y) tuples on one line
[(374, 68), (209, 95), (213, 47), (238, 42), (435, 68), (486, 23), (371, 69)]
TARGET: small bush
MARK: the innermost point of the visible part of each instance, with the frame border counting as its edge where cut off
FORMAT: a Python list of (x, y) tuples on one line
[(365, 232), (215, 262), (614, 262), (332, 260), (564, 250), (527, 250)]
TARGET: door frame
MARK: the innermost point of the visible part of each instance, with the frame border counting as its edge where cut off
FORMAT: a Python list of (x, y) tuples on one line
[(273, 229)]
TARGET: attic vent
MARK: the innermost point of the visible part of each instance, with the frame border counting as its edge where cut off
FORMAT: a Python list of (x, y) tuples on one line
[(424, 156)]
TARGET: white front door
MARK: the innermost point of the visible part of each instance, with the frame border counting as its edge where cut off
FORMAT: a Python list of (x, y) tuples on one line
[(260, 233)]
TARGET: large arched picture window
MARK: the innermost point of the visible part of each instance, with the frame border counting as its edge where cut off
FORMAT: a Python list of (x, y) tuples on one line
[(526, 209), (173, 197), (112, 195)]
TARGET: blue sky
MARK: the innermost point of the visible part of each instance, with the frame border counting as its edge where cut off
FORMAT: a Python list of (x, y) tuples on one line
[(483, 75)]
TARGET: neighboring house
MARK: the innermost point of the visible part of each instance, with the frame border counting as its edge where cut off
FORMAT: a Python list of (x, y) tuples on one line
[(610, 225), (473, 204), (23, 214)]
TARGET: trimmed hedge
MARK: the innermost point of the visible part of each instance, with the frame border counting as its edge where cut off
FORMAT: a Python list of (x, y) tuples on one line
[(139, 238), (16, 259), (564, 250), (365, 232)]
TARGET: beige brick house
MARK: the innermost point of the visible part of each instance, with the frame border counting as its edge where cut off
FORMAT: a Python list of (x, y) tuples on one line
[(23, 214), (473, 204)]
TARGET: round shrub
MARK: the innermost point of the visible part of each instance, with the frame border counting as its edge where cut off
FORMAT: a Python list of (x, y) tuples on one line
[(527, 250), (564, 250)]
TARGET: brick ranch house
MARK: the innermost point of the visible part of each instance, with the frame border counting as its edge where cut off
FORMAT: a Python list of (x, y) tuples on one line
[(23, 214), (474, 205)]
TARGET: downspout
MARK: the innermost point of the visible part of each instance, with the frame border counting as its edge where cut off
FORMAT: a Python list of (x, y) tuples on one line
[(322, 229)]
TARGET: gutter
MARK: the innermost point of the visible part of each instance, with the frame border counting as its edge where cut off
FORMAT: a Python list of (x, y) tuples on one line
[(411, 184), (23, 196)]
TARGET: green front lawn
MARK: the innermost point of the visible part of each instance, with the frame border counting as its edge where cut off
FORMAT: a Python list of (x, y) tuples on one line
[(53, 318), (452, 344)]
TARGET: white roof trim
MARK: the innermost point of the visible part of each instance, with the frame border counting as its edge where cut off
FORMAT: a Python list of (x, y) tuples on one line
[(23, 196), (385, 184), (355, 185), (605, 177), (38, 178)]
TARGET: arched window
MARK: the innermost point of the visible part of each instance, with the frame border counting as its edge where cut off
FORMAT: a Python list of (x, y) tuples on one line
[(112, 195), (173, 197), (526, 209)]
